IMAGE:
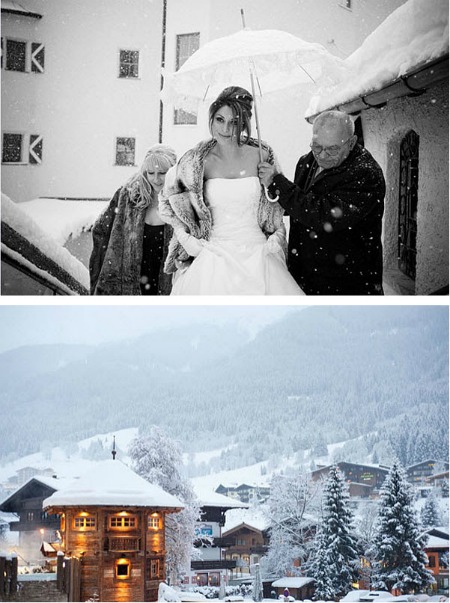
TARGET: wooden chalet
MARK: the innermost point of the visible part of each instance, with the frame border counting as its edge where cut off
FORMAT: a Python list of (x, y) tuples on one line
[(364, 481), (112, 529), (246, 544), (33, 524)]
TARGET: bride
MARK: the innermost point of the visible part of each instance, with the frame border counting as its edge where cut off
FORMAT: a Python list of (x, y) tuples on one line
[(228, 238)]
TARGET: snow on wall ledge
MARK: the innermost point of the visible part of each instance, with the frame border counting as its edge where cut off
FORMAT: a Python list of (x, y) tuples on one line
[(412, 35), (17, 219)]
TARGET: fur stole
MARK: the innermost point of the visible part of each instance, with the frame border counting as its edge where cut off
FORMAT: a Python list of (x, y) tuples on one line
[(182, 205)]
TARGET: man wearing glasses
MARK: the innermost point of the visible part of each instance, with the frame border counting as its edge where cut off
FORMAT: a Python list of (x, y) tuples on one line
[(335, 205)]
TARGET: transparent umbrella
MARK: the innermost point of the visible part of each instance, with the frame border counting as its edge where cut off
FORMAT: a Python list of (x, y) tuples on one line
[(263, 61)]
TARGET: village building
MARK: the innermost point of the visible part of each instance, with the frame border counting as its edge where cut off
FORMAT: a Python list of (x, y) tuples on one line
[(112, 529), (215, 567), (246, 493), (32, 524), (364, 481), (301, 587), (421, 473), (246, 545), (437, 551)]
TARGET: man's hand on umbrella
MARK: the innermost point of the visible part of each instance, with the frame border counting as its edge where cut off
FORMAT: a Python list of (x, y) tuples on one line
[(266, 173)]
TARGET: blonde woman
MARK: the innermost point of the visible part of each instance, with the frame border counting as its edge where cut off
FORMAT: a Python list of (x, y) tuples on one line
[(130, 239)]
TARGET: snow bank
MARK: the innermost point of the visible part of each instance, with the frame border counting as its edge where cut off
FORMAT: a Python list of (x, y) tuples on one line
[(62, 219), (17, 219), (412, 35)]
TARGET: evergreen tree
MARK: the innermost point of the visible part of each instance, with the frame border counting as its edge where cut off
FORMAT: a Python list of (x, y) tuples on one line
[(399, 558), (339, 542), (318, 567), (430, 515), (158, 459)]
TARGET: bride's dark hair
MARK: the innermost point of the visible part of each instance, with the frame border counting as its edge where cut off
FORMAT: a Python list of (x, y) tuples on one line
[(240, 102)]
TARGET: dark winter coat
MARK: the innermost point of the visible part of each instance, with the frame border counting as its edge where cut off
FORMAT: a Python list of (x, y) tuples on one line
[(118, 235), (182, 204), (335, 225)]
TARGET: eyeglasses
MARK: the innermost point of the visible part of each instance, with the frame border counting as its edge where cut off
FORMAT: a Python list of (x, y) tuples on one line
[(332, 151)]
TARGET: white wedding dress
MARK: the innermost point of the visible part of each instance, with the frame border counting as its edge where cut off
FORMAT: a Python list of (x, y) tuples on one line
[(236, 260)]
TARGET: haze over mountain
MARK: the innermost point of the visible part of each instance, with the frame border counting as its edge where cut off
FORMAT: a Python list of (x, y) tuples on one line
[(317, 376)]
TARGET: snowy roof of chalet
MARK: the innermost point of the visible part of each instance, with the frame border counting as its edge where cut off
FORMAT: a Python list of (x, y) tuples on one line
[(58, 262), (434, 542), (62, 218), (409, 37), (292, 582), (112, 483), (209, 498), (251, 517)]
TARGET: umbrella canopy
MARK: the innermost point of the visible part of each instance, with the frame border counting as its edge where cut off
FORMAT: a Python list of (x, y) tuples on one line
[(278, 60)]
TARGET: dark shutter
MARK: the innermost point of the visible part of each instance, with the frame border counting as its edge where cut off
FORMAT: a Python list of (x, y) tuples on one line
[(37, 57)]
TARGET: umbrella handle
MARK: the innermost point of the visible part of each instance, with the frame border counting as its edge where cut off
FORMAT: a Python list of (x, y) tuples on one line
[(268, 197)]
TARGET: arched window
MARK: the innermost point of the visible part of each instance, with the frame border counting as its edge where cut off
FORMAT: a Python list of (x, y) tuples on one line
[(407, 215)]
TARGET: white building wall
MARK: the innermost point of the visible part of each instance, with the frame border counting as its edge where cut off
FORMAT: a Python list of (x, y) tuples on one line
[(80, 105), (327, 22), (383, 130)]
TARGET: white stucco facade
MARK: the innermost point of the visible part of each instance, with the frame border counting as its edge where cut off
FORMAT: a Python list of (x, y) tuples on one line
[(384, 128), (78, 104)]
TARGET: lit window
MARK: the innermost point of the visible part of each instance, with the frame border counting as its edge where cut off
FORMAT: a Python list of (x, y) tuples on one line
[(123, 521), (187, 44), (154, 522), (125, 149), (129, 64), (123, 569), (83, 522)]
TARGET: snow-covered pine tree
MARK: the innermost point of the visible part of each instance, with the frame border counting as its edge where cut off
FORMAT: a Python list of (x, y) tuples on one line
[(157, 458), (290, 498), (430, 515), (318, 567), (338, 528), (397, 550)]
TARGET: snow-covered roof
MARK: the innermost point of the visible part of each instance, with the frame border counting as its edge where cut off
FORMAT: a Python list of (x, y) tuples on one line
[(411, 36), (434, 542), (209, 498), (59, 265), (64, 218), (252, 517), (112, 483), (292, 582)]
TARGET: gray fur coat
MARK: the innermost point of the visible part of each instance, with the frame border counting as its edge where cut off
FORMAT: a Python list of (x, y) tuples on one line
[(116, 258), (182, 205)]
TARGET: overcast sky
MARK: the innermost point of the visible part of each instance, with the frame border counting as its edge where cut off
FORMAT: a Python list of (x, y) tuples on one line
[(39, 324)]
